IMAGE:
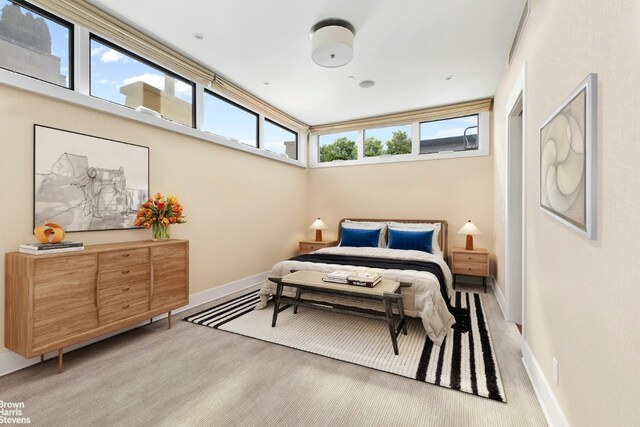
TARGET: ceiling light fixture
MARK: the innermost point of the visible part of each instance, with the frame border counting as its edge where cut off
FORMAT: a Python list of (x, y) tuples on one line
[(332, 43), (366, 84)]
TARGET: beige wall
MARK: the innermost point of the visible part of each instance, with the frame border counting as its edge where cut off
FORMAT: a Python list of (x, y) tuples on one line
[(582, 296), (455, 190), (245, 212)]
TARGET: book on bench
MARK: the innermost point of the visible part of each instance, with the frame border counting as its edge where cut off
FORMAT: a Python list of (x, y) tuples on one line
[(337, 276), (366, 278)]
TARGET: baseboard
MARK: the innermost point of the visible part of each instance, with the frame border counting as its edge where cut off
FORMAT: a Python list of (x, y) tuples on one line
[(502, 302), (550, 406), (11, 362)]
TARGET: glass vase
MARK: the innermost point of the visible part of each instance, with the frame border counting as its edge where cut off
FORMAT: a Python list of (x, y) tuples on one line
[(160, 232)]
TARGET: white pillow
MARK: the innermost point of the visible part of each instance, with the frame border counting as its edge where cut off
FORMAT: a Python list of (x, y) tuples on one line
[(415, 226), (366, 225)]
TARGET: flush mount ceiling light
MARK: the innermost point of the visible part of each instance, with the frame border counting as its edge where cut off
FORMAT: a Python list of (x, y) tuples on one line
[(332, 43)]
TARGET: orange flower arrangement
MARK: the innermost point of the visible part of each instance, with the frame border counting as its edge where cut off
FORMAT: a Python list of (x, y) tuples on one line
[(158, 213)]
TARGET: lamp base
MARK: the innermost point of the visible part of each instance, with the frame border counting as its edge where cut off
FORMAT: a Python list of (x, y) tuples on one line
[(469, 246), (318, 235)]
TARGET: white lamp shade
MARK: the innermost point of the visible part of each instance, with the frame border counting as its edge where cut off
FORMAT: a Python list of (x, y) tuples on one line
[(332, 46), (469, 228), (318, 224)]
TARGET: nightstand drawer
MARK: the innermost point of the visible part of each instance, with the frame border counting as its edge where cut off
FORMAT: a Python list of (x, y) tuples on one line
[(471, 268), (469, 257), (309, 247)]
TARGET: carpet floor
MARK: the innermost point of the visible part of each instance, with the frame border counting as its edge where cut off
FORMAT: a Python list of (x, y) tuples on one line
[(464, 362), (195, 376)]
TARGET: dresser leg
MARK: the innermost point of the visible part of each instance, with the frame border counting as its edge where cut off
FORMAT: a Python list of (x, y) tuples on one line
[(41, 359), (169, 320), (60, 368), (151, 320)]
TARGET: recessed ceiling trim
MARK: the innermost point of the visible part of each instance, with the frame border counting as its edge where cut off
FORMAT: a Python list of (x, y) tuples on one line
[(424, 114)]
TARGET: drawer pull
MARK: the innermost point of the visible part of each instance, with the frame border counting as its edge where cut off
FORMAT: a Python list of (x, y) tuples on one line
[(125, 255), (469, 268), (126, 306), (125, 290), (125, 272), (469, 258)]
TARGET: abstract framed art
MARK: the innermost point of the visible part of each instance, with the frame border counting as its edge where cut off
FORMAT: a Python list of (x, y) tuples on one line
[(568, 160), (87, 183)]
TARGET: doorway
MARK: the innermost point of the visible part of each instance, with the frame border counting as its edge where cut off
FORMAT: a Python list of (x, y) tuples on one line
[(515, 205)]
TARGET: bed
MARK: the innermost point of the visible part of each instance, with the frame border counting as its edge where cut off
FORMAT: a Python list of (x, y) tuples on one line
[(429, 278)]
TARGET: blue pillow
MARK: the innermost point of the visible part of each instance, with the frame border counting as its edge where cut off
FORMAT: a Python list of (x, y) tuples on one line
[(411, 240), (360, 237)]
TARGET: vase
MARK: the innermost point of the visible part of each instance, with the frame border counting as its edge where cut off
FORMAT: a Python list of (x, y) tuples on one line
[(160, 232)]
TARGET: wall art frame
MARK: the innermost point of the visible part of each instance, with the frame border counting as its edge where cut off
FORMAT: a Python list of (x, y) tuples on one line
[(568, 174), (85, 182)]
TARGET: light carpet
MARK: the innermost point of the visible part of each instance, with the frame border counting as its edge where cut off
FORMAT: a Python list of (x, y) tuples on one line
[(465, 362)]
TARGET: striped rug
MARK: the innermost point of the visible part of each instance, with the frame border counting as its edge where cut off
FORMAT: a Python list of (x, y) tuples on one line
[(465, 362)]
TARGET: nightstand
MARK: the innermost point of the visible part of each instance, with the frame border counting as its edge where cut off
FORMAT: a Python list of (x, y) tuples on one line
[(473, 262), (307, 246)]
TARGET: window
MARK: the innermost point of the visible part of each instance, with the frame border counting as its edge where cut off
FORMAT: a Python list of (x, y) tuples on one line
[(338, 146), (35, 43), (230, 120), (280, 140), (126, 79), (389, 140), (458, 134)]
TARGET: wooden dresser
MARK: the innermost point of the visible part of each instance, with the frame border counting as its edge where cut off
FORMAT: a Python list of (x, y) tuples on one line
[(54, 301)]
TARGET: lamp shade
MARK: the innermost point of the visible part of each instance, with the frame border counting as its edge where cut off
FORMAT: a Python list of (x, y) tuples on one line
[(469, 229), (318, 224), (332, 46)]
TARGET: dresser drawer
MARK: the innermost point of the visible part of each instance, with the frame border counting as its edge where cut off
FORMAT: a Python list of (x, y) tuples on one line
[(123, 259), (123, 310), (468, 257)]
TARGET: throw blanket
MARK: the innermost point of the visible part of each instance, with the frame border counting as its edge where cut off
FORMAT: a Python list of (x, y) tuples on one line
[(463, 321), (423, 299)]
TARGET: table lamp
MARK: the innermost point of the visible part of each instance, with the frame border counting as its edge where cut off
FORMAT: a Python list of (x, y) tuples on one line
[(318, 225), (470, 230)]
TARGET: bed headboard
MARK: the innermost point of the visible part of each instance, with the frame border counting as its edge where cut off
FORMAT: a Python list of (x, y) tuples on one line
[(443, 237)]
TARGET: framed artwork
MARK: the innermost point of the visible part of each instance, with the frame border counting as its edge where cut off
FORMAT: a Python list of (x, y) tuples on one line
[(87, 183), (568, 160)]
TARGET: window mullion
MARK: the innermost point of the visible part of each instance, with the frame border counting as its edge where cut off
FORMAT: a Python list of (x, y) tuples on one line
[(81, 60), (415, 138), (360, 144)]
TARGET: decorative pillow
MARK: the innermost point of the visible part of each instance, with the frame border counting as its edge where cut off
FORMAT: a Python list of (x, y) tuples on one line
[(360, 237), (416, 226), (411, 240), (369, 225)]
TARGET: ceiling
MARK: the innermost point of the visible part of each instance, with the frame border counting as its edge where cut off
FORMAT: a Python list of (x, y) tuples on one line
[(407, 47)]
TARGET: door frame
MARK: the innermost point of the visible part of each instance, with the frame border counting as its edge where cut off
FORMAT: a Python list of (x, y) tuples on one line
[(518, 94)]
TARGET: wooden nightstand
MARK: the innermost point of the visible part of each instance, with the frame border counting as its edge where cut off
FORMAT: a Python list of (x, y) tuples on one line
[(307, 246), (470, 263)]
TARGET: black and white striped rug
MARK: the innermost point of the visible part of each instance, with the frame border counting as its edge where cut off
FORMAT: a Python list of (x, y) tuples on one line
[(465, 362)]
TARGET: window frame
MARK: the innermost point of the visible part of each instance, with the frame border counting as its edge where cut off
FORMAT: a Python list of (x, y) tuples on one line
[(126, 52), (235, 104), (268, 120), (71, 27), (484, 140)]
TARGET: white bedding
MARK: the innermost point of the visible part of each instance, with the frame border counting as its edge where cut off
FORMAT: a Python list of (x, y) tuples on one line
[(423, 299)]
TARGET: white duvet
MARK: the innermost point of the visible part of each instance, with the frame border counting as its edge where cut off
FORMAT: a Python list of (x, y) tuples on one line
[(423, 299)]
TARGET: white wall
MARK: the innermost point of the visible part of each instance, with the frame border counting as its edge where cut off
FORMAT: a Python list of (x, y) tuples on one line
[(582, 296)]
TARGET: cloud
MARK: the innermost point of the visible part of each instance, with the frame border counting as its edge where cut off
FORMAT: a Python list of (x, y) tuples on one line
[(97, 50), (111, 56)]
